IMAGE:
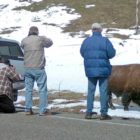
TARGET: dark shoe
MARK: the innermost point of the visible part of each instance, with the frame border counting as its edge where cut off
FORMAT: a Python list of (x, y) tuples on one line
[(92, 115), (29, 112), (47, 112), (105, 117)]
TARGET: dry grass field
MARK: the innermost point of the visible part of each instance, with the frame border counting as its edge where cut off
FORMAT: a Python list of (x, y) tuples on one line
[(112, 13)]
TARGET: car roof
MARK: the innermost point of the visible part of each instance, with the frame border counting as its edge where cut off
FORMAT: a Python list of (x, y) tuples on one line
[(9, 40)]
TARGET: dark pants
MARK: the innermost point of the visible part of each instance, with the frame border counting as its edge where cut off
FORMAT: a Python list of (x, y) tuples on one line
[(6, 104)]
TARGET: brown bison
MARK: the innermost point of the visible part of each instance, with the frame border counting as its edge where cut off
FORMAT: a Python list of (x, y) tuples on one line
[(125, 82)]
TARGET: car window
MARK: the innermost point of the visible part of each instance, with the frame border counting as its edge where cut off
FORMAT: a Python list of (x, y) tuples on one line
[(10, 49), (4, 50)]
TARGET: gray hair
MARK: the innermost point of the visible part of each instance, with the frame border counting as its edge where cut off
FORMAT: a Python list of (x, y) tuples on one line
[(96, 26)]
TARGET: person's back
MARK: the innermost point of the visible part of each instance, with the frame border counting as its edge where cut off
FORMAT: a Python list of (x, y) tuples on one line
[(96, 51), (33, 46), (34, 62), (7, 76)]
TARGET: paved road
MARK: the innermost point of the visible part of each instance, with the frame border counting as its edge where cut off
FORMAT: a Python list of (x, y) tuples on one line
[(66, 127)]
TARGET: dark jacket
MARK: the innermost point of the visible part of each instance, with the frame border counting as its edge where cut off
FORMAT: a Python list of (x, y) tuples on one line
[(96, 51)]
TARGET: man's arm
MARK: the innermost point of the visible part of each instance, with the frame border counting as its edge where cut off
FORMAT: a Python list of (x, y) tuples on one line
[(82, 49), (47, 42), (111, 52)]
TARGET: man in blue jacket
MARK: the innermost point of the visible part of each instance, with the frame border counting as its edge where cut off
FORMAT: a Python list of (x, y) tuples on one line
[(96, 51)]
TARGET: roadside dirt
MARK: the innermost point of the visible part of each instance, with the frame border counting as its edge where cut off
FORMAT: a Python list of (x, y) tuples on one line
[(71, 97)]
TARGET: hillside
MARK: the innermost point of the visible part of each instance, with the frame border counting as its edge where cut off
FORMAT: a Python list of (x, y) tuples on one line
[(112, 13)]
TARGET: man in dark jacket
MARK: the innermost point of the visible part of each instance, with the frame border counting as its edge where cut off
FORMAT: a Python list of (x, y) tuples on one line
[(96, 51)]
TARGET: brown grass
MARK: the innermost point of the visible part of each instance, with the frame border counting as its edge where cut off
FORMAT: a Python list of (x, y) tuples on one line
[(66, 95), (113, 13), (72, 97)]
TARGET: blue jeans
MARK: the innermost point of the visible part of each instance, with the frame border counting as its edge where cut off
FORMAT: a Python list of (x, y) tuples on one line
[(38, 75), (103, 87)]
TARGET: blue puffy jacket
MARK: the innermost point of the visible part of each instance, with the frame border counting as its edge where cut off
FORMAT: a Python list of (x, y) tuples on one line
[(96, 51)]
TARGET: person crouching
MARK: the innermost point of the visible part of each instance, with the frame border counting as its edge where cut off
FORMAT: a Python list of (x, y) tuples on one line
[(7, 76)]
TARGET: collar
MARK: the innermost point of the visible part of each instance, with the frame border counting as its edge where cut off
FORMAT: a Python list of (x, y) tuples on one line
[(96, 33)]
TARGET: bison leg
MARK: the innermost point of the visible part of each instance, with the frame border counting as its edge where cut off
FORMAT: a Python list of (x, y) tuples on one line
[(110, 103), (126, 99)]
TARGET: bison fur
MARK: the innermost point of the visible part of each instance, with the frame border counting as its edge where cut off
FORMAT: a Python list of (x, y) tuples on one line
[(125, 82)]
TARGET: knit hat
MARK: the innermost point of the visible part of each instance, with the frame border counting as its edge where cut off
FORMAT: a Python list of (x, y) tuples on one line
[(96, 26), (33, 30)]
